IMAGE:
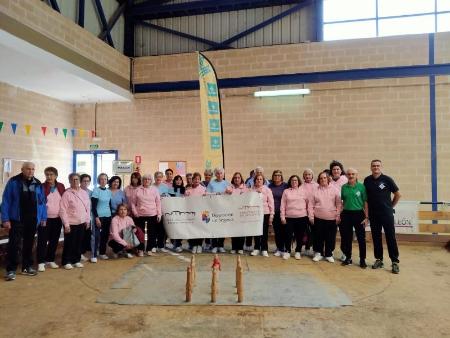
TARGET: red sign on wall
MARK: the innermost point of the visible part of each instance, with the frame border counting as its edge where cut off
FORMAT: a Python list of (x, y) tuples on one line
[(137, 159)]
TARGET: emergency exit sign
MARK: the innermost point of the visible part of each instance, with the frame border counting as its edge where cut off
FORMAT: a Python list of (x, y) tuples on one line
[(93, 146)]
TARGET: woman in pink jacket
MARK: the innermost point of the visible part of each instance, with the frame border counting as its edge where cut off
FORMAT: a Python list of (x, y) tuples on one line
[(294, 214), (130, 191), (147, 207), (237, 187), (324, 215), (309, 185), (261, 244), (195, 189), (119, 223), (75, 213)]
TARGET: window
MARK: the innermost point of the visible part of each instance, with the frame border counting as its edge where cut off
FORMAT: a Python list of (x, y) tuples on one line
[(351, 19)]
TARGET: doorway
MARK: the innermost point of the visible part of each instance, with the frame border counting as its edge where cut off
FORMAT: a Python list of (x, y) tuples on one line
[(94, 162)]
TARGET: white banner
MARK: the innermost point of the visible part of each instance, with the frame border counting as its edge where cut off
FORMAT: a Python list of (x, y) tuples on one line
[(405, 217), (213, 216)]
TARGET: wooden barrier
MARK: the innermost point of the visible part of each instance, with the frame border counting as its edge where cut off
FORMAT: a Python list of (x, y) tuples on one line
[(442, 218)]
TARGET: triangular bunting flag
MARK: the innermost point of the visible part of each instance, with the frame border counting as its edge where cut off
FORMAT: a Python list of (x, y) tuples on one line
[(73, 130), (92, 133), (81, 132), (65, 132), (14, 127), (44, 130), (1, 126), (27, 129), (56, 131)]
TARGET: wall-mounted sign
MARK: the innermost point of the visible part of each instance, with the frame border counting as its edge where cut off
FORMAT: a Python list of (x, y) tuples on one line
[(123, 167)]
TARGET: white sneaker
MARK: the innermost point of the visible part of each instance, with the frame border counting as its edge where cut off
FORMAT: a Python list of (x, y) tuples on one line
[(128, 255), (83, 258), (277, 253), (194, 250), (317, 257), (233, 252), (154, 250), (41, 267), (286, 255), (169, 246), (343, 258), (104, 257), (53, 265), (330, 259), (163, 250), (68, 266), (78, 265), (310, 253), (151, 253), (93, 259), (240, 252), (207, 247), (298, 255), (179, 249), (249, 248), (254, 253), (199, 249), (214, 250), (140, 253), (222, 250), (265, 253)]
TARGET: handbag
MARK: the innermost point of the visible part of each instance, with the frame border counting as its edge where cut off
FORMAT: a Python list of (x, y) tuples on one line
[(130, 237)]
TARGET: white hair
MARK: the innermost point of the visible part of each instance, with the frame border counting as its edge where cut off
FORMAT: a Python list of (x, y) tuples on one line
[(219, 170), (259, 169), (28, 164)]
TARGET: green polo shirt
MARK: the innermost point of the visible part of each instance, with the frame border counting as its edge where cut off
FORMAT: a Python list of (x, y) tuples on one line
[(353, 197)]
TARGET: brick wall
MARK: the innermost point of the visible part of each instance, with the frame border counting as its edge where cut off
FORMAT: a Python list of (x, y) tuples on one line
[(25, 107)]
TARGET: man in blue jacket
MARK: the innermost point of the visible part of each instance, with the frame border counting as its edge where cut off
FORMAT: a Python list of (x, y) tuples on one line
[(23, 208)]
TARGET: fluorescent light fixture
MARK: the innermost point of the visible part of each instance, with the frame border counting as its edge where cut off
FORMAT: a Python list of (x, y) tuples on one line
[(284, 92)]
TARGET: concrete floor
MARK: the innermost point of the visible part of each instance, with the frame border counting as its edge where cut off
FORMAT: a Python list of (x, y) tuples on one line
[(415, 303)]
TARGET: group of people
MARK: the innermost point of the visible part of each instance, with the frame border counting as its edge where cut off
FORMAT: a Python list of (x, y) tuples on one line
[(300, 210)]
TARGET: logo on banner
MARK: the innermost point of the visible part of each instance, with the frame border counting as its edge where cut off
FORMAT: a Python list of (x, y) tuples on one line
[(250, 211), (215, 142), (214, 125), (205, 216), (212, 89), (213, 107)]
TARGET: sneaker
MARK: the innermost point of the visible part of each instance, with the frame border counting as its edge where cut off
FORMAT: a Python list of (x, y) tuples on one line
[(317, 257), (343, 258), (29, 271), (254, 253), (286, 255), (194, 250), (330, 259), (179, 249), (41, 267), (309, 253), (169, 246), (348, 261), (83, 258), (129, 255), (140, 253), (93, 259), (265, 253), (104, 257), (378, 264), (78, 265), (199, 249), (151, 253), (163, 250), (298, 255), (214, 250), (240, 252), (207, 248), (395, 268), (10, 275), (222, 250), (362, 264), (233, 252), (53, 265), (153, 250), (68, 266), (248, 248), (278, 253)]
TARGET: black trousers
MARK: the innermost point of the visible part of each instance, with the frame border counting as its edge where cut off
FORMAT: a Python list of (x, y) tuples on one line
[(279, 231), (47, 240), (104, 234), (86, 242), (295, 228), (72, 244), (352, 219), (237, 243), (386, 222), (21, 240), (325, 236), (249, 241), (217, 242), (195, 242), (155, 231), (261, 242), (117, 247)]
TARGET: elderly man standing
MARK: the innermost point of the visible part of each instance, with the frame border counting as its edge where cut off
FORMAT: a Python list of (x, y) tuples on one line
[(23, 208), (379, 189)]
